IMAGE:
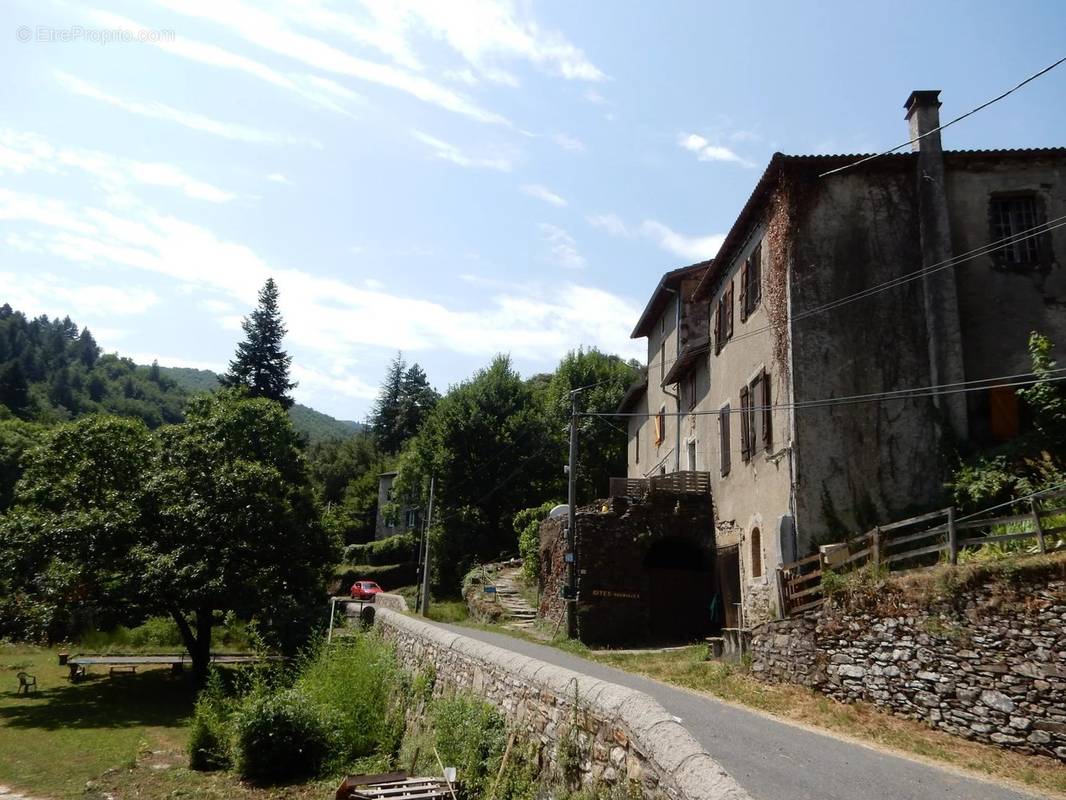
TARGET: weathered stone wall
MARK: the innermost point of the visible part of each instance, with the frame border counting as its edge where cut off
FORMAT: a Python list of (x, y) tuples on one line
[(990, 665), (645, 569), (621, 735)]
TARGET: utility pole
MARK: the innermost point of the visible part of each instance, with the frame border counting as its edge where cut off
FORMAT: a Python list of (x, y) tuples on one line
[(571, 524), (425, 564)]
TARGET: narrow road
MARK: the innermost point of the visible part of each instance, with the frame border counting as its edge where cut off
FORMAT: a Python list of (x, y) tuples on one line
[(775, 760)]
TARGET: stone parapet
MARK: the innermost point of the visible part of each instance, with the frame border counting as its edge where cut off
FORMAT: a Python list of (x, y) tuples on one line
[(618, 735)]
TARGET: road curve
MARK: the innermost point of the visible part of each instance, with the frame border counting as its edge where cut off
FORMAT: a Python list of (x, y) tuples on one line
[(776, 760)]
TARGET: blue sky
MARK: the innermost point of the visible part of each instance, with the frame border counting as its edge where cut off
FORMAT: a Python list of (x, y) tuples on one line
[(447, 179)]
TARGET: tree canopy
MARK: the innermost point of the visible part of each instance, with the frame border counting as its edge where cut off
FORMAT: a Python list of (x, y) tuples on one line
[(404, 402), (260, 364)]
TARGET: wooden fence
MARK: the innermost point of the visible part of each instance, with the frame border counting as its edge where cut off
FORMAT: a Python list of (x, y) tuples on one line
[(918, 542)]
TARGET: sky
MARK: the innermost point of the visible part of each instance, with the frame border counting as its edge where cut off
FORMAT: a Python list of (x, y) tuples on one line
[(447, 179)]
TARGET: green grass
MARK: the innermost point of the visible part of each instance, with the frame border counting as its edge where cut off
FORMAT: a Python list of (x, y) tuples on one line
[(66, 734), (448, 611)]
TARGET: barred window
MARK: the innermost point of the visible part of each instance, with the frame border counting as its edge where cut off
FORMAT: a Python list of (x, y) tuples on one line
[(1015, 216)]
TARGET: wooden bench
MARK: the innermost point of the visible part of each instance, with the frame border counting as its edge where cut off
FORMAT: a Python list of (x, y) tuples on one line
[(27, 683)]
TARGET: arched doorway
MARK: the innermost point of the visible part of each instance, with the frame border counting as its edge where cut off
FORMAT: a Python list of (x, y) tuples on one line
[(680, 580)]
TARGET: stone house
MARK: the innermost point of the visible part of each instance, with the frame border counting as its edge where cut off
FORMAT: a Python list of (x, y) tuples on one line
[(947, 241), (395, 515)]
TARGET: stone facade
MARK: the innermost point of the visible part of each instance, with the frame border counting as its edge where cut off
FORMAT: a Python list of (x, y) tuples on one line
[(645, 570), (989, 666), (620, 735)]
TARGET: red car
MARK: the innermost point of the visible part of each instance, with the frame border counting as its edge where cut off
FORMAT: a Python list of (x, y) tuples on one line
[(365, 590)]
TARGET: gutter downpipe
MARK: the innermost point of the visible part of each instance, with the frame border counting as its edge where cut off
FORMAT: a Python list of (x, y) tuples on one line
[(676, 394)]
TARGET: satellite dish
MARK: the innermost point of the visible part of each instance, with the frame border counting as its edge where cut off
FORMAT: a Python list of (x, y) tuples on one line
[(559, 511)]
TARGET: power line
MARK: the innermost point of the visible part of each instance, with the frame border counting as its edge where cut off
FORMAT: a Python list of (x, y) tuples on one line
[(916, 392), (959, 118), (1031, 495), (954, 261)]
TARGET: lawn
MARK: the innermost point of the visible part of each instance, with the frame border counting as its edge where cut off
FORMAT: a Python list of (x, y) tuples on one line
[(55, 741)]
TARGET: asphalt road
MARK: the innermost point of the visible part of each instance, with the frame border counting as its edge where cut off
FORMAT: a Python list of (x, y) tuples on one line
[(774, 760)]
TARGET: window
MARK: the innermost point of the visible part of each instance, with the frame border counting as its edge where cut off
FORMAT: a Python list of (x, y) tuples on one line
[(756, 553), (756, 416), (692, 455), (690, 390), (662, 361), (1012, 216), (723, 438), (723, 319), (751, 283), (1003, 414), (636, 460), (660, 426)]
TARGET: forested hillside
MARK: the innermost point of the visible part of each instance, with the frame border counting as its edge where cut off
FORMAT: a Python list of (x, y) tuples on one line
[(314, 425), (51, 370)]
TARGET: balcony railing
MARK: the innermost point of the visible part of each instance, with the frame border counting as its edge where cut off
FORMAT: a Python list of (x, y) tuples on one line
[(687, 482)]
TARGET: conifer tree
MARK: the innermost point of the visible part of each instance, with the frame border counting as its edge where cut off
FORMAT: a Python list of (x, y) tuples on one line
[(417, 399), (260, 364), (386, 411)]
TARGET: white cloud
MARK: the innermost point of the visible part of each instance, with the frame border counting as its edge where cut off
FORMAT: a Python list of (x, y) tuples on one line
[(482, 32), (543, 193), (193, 121), (374, 284), (56, 296), (571, 143), (319, 91), (272, 32), (533, 323), (22, 152), (217, 306), (449, 152), (611, 223), (693, 248), (277, 177), (312, 381), (705, 151), (563, 247)]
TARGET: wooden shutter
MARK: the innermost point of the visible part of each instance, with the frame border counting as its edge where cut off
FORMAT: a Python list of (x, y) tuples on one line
[(767, 413), (718, 329), (723, 439), (745, 427), (729, 312), (744, 277), (755, 277), (659, 428)]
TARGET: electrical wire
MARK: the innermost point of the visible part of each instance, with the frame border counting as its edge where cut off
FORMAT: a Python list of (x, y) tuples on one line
[(916, 392), (959, 118), (954, 261)]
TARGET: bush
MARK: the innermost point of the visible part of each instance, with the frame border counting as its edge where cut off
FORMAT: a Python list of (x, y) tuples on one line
[(156, 632), (470, 737), (398, 549), (209, 734), (388, 577), (359, 686), (527, 526), (280, 737)]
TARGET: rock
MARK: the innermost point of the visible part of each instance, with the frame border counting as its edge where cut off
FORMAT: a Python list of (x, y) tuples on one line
[(618, 755), (1002, 738), (997, 701), (929, 676), (1021, 723), (1039, 737), (610, 775), (851, 671)]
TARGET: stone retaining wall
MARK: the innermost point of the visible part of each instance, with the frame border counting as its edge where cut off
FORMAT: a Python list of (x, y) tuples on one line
[(397, 602), (988, 665), (620, 734)]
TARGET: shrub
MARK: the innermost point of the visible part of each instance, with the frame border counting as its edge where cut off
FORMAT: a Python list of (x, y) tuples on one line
[(359, 686), (527, 526), (398, 549), (156, 632), (280, 737), (209, 746), (470, 737)]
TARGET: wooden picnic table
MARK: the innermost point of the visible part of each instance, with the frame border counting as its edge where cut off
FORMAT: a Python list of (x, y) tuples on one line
[(79, 663)]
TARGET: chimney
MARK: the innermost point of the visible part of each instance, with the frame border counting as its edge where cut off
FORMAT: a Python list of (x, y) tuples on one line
[(923, 115)]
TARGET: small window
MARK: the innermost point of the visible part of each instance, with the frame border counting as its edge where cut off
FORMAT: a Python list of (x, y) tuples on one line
[(660, 426), (662, 361), (636, 459), (751, 283), (690, 390), (1016, 216), (723, 438), (692, 455), (767, 413), (756, 553)]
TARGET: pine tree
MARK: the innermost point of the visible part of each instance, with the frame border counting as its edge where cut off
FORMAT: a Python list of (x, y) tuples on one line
[(386, 411), (14, 390), (417, 399), (260, 364)]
